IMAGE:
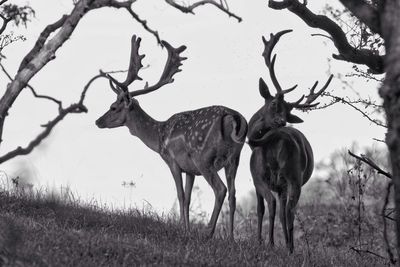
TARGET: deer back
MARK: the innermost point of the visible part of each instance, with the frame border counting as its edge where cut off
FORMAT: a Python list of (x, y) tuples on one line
[(284, 150), (206, 126)]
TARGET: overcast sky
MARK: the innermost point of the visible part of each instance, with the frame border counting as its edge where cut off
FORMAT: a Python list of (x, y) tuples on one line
[(223, 67)]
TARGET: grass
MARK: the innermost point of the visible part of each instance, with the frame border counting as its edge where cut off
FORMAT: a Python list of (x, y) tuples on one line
[(41, 230)]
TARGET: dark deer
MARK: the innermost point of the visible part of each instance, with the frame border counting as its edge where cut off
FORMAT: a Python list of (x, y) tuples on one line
[(197, 142), (282, 158)]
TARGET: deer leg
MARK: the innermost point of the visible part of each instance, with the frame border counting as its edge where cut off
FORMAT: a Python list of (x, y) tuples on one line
[(188, 194), (294, 191), (230, 173), (177, 174), (271, 216), (260, 214), (282, 215), (219, 189)]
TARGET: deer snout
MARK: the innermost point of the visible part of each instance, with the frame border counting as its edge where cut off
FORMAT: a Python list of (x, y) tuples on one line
[(99, 123)]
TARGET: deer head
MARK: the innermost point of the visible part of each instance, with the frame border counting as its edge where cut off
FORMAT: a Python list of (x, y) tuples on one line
[(119, 111), (276, 112)]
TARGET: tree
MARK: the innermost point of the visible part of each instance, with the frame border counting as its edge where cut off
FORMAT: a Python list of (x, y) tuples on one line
[(382, 18), (50, 40)]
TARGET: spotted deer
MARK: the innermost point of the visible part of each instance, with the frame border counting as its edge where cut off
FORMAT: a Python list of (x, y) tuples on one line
[(282, 158), (197, 142)]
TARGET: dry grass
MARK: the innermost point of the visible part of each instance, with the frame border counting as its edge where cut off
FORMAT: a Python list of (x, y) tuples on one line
[(41, 230)]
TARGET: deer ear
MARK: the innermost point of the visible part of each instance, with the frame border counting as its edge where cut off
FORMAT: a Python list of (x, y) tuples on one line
[(293, 119), (264, 91)]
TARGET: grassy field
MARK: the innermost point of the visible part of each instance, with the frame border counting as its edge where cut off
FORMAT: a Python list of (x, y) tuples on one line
[(42, 230)]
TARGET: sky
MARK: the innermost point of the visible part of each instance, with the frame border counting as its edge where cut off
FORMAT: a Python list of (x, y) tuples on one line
[(223, 67)]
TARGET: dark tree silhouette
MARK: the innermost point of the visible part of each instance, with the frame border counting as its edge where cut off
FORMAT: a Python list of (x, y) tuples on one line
[(382, 18)]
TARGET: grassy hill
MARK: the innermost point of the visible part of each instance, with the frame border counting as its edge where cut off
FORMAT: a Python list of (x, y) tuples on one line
[(39, 230)]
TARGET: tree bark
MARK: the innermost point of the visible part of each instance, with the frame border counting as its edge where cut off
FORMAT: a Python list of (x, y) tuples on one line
[(390, 92)]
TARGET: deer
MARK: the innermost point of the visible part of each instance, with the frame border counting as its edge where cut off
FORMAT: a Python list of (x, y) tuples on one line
[(196, 142), (282, 158)]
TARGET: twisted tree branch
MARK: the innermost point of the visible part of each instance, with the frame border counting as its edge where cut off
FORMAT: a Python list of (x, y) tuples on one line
[(346, 51)]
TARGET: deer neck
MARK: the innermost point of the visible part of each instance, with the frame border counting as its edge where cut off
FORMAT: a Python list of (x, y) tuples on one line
[(144, 127)]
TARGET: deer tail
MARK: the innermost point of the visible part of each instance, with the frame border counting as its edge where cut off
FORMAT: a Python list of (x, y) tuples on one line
[(270, 137), (239, 127)]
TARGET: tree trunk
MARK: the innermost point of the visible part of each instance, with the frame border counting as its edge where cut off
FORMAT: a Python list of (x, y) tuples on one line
[(390, 92)]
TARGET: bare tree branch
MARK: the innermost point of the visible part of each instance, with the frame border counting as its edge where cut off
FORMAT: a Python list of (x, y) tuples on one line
[(379, 140), (371, 163), (78, 107), (322, 35), (19, 151), (42, 40), (352, 104), (359, 73), (144, 24), (190, 8), (346, 51), (58, 102)]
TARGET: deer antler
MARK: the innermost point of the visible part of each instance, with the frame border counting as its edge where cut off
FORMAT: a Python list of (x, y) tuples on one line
[(311, 97), (174, 61), (135, 64), (268, 47)]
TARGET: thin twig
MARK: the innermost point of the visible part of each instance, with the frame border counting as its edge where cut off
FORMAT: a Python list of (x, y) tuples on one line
[(337, 99), (58, 102), (144, 24), (371, 163), (379, 140), (359, 251), (322, 35), (190, 8)]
